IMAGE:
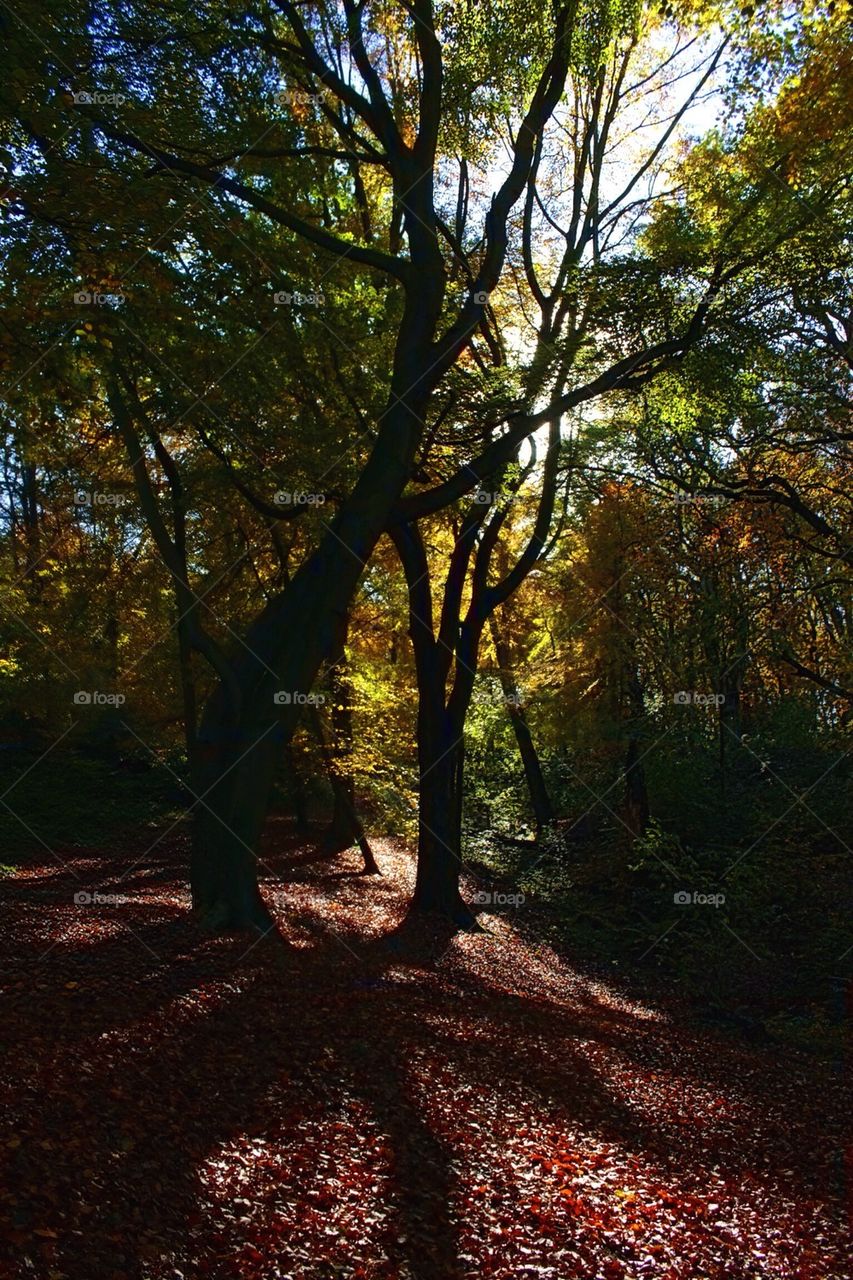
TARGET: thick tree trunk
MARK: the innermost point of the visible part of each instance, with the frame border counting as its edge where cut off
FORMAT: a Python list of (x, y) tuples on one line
[(441, 758), (229, 817), (440, 842), (250, 718), (225, 882)]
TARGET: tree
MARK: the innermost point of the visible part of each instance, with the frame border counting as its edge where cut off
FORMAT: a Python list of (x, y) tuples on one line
[(353, 175)]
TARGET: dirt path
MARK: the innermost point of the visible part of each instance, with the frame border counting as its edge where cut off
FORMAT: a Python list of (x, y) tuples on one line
[(351, 1102)]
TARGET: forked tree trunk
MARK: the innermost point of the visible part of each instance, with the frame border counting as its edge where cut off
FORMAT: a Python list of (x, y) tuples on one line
[(295, 632), (243, 728)]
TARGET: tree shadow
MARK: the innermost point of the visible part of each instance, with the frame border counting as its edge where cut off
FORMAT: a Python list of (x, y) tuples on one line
[(160, 1077)]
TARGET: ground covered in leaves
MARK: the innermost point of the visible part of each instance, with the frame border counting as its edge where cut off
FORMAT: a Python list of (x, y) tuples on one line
[(351, 1099)]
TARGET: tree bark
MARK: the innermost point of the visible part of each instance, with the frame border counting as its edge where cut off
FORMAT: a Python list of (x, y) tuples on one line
[(441, 757), (300, 810), (636, 793), (346, 827), (537, 789)]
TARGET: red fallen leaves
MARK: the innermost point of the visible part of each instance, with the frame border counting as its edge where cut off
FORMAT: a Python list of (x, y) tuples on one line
[(347, 1106)]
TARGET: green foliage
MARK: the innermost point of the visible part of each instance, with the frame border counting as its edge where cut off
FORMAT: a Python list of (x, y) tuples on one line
[(494, 51), (598, 25)]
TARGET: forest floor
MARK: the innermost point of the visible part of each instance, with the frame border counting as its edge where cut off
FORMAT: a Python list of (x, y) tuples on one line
[(351, 1099)]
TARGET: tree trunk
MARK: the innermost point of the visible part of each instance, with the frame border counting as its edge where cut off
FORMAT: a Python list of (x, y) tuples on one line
[(440, 842), (346, 827), (30, 510), (441, 759), (636, 793), (300, 808), (229, 817), (537, 788), (540, 800), (341, 833), (249, 718)]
